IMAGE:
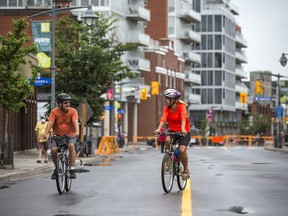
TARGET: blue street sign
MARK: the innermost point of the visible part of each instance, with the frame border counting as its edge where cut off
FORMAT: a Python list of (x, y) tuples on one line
[(108, 107), (262, 98), (121, 111), (42, 81), (279, 112)]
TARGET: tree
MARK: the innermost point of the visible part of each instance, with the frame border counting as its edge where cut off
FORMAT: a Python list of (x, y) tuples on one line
[(15, 87), (92, 62), (255, 123)]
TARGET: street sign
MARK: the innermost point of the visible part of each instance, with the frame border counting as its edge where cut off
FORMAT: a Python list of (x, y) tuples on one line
[(84, 111), (42, 81), (279, 112), (108, 107), (261, 98)]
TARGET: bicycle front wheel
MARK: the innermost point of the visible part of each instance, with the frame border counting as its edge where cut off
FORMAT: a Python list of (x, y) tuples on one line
[(167, 173), (181, 183), (68, 180), (61, 170)]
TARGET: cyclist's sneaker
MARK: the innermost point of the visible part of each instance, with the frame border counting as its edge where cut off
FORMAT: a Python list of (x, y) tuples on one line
[(54, 175), (72, 174), (185, 175)]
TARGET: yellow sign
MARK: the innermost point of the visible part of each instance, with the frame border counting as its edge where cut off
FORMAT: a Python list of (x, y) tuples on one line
[(143, 94), (45, 26), (44, 61), (154, 87), (243, 97)]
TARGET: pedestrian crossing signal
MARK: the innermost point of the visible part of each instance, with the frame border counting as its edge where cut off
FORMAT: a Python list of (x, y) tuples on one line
[(154, 87), (143, 94)]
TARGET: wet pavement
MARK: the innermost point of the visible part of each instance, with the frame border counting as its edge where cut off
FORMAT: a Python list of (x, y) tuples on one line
[(25, 164)]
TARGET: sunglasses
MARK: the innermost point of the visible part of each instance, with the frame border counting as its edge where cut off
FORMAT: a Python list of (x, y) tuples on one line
[(66, 102)]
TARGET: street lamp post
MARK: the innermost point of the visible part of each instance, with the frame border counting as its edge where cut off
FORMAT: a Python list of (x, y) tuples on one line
[(88, 17), (283, 62)]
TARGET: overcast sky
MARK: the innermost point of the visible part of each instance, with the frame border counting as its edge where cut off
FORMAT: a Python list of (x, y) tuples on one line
[(264, 25)]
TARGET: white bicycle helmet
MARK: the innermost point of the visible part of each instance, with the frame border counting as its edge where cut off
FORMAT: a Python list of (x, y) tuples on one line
[(172, 94)]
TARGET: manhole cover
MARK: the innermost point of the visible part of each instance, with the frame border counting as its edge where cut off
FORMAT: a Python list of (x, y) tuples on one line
[(99, 164), (81, 170), (4, 186), (260, 163), (238, 210)]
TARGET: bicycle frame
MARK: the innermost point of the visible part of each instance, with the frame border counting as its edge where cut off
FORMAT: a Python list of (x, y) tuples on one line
[(63, 181), (172, 166)]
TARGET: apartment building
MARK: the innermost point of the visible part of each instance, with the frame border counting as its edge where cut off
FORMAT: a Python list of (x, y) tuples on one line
[(220, 69)]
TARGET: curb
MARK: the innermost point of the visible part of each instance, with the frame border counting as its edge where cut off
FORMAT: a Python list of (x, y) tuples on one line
[(15, 174)]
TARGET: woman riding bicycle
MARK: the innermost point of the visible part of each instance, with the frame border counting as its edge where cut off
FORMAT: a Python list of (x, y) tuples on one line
[(175, 115), (64, 122)]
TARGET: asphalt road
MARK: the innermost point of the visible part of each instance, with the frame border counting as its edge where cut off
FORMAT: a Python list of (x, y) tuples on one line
[(224, 181)]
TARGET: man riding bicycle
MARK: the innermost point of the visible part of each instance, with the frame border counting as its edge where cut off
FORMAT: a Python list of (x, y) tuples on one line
[(176, 116), (64, 122)]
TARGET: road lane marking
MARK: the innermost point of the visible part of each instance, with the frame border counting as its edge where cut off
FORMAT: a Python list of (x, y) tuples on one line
[(187, 200)]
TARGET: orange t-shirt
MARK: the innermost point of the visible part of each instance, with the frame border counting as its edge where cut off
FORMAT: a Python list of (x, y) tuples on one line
[(63, 122), (175, 119)]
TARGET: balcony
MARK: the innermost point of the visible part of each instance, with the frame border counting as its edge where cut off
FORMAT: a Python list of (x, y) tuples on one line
[(239, 71), (240, 87), (190, 37), (139, 38), (240, 56), (240, 41), (190, 16), (138, 14), (192, 77), (234, 9), (136, 64), (191, 57), (193, 98)]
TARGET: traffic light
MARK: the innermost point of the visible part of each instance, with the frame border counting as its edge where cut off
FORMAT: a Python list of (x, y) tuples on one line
[(154, 87), (143, 94), (258, 87), (243, 97)]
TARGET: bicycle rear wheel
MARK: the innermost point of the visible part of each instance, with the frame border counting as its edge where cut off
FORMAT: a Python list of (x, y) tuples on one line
[(181, 183), (60, 179), (167, 173), (68, 180)]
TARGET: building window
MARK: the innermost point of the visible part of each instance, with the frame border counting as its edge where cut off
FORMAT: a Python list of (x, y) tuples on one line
[(218, 78), (218, 96), (218, 60), (218, 42), (210, 23), (218, 23)]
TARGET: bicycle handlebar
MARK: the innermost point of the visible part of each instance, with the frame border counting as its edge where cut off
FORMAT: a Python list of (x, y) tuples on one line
[(170, 133)]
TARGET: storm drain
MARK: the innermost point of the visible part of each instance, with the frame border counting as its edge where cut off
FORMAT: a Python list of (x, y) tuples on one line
[(4, 186), (260, 163), (81, 170), (98, 164), (238, 210)]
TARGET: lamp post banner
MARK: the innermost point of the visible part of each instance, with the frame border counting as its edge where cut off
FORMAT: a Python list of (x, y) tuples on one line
[(41, 36)]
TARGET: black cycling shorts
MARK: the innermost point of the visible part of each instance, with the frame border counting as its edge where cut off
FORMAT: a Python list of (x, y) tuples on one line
[(183, 140)]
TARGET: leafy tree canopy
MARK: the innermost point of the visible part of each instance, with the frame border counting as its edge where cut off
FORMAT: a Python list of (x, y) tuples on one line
[(256, 124), (89, 60), (14, 86)]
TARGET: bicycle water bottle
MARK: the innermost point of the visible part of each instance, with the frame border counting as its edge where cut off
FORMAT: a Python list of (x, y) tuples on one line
[(176, 152)]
